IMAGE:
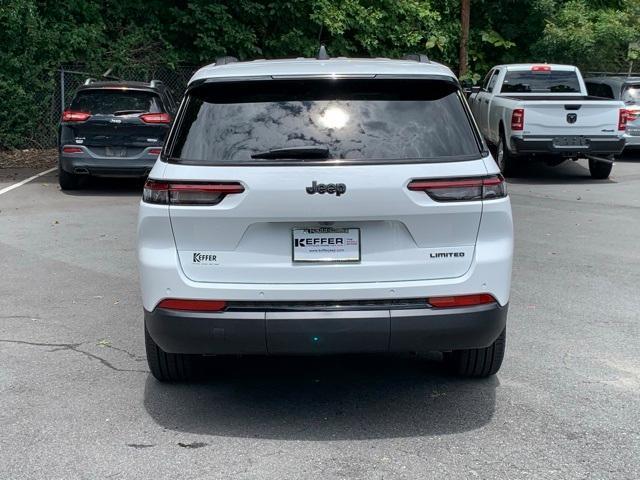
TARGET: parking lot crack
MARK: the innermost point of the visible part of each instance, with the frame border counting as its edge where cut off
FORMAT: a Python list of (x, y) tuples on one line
[(74, 347)]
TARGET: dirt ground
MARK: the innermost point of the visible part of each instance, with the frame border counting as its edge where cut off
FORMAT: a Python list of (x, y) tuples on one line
[(28, 158)]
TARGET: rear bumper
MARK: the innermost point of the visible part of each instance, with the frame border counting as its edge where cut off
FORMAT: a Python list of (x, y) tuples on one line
[(89, 164), (326, 332), (632, 141), (545, 145)]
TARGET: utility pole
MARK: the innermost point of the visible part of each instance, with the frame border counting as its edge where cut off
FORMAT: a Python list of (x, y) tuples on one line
[(465, 13)]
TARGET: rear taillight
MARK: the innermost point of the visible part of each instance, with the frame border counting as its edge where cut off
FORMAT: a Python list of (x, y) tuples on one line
[(72, 116), (175, 193), (193, 305), (155, 118), (517, 119), (154, 151), (623, 117), (632, 115), (461, 300), (461, 189), (71, 150)]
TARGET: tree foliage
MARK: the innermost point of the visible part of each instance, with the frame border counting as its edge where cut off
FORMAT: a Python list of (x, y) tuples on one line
[(37, 36)]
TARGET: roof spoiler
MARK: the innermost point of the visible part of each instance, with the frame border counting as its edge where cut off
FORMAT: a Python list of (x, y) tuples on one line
[(417, 57), (225, 60)]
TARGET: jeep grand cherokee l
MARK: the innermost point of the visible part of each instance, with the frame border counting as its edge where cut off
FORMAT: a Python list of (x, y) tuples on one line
[(315, 206), (113, 129)]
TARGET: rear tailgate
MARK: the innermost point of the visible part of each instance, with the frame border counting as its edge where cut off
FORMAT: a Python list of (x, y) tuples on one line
[(404, 235), (121, 121), (102, 133), (584, 117), (378, 135)]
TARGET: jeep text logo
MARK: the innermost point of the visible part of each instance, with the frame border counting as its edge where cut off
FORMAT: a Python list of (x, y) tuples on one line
[(333, 188), (203, 257)]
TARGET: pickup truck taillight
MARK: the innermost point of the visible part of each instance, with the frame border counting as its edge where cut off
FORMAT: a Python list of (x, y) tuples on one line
[(517, 119), (461, 189), (623, 117), (72, 116), (183, 193)]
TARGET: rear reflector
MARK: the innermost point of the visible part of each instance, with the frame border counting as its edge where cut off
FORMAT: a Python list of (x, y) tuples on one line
[(461, 300), (541, 68), (623, 117), (193, 305), (517, 119), (71, 116), (165, 193), (71, 150), (462, 189), (155, 118), (154, 151)]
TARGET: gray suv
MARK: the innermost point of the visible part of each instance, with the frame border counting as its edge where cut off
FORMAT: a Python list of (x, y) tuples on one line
[(626, 89), (113, 129)]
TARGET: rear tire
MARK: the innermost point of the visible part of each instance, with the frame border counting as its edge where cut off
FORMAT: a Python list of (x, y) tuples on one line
[(67, 181), (599, 170), (168, 367), (504, 158), (478, 362)]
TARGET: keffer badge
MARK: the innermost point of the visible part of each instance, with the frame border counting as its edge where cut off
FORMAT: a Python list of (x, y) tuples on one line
[(200, 258)]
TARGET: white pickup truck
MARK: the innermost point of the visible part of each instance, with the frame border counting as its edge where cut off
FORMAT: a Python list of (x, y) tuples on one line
[(543, 111)]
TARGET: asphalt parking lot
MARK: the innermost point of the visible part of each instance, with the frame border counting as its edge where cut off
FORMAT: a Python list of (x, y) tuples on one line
[(78, 401)]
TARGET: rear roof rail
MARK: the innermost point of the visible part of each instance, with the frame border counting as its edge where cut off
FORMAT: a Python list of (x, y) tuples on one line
[(225, 60), (417, 57)]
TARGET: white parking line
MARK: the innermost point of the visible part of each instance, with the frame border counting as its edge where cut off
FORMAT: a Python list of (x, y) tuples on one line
[(19, 184)]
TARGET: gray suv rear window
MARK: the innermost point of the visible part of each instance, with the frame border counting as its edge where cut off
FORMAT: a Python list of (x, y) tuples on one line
[(359, 120), (110, 101)]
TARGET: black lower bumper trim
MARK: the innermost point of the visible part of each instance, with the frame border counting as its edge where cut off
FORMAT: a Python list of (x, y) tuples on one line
[(313, 332), (120, 167), (547, 146)]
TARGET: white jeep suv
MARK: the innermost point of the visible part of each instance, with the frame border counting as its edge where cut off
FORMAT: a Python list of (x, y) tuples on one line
[(321, 206)]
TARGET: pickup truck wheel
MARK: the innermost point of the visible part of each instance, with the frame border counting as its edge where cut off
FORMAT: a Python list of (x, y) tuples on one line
[(67, 181), (600, 170), (477, 362), (168, 367), (504, 157)]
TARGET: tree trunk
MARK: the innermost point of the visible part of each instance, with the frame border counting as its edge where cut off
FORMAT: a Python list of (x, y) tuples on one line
[(465, 12)]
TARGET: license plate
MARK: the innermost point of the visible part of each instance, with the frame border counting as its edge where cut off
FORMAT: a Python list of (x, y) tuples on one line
[(326, 244), (115, 151), (570, 142)]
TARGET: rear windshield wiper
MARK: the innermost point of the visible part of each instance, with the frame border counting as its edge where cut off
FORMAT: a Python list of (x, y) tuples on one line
[(294, 152), (128, 112)]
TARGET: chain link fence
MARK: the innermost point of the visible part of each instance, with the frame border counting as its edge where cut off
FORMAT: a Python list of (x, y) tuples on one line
[(59, 87)]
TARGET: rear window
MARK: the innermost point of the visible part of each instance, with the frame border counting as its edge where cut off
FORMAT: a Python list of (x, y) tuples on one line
[(108, 102), (364, 120), (631, 94), (552, 81)]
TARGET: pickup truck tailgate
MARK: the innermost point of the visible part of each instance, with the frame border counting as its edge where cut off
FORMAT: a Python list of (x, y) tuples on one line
[(570, 117)]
